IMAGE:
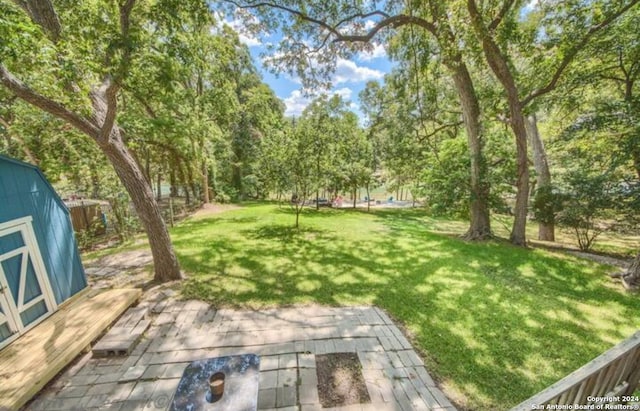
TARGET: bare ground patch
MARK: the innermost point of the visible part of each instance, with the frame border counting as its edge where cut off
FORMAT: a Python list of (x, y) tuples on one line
[(210, 209), (340, 380)]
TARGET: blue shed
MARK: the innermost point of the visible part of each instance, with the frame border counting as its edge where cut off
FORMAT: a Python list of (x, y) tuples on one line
[(40, 264)]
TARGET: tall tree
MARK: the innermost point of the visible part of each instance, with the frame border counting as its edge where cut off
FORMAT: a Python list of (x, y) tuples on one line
[(310, 48), (604, 130), (88, 51), (494, 22), (544, 189)]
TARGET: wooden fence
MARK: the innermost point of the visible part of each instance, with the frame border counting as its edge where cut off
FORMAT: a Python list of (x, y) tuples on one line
[(86, 213), (607, 379)]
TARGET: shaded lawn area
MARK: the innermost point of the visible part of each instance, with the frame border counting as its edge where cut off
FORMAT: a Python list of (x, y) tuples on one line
[(495, 323)]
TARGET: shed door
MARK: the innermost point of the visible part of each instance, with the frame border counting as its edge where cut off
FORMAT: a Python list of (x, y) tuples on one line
[(25, 294)]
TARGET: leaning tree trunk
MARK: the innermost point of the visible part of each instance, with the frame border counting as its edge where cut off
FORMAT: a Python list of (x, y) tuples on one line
[(100, 125), (165, 262), (166, 266), (480, 223), (546, 225)]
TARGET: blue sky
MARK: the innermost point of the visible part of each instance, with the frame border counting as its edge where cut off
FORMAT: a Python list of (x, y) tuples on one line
[(349, 79)]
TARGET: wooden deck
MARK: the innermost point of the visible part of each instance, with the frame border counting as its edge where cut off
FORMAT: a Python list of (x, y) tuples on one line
[(32, 360)]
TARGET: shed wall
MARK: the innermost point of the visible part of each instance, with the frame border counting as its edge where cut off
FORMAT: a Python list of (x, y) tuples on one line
[(24, 191)]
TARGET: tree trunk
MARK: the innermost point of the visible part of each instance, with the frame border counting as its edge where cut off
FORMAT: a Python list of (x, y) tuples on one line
[(184, 183), (480, 223), (237, 179), (159, 186), (165, 262), (498, 64), (631, 277), (369, 197), (43, 13), (173, 185), (546, 228), (147, 164), (518, 231), (205, 183), (164, 259), (101, 126)]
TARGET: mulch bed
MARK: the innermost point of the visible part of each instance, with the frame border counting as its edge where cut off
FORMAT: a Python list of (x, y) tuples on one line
[(340, 380)]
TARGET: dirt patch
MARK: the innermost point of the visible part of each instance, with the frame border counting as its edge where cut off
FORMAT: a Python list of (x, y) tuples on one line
[(125, 269), (209, 209), (340, 380), (603, 259), (614, 260)]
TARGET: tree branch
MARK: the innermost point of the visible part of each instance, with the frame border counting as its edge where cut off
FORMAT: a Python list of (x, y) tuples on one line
[(506, 6), (393, 22), (573, 51), (613, 78), (107, 94), (17, 87), (108, 90), (621, 64), (388, 21), (44, 15), (362, 16), (125, 24), (437, 130), (147, 107)]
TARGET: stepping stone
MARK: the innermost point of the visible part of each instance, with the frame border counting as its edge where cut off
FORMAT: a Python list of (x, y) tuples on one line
[(124, 335)]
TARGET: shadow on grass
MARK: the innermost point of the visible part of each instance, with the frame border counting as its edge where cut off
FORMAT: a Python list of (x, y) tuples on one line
[(497, 323), (283, 233)]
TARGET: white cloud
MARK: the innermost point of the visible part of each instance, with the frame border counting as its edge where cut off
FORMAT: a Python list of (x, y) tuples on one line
[(240, 27), (349, 72), (297, 101), (530, 5), (377, 52), (249, 41), (344, 92), (369, 24)]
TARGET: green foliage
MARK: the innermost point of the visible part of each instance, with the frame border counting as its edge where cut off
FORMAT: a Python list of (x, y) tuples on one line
[(547, 203), (191, 103), (447, 182), (587, 202)]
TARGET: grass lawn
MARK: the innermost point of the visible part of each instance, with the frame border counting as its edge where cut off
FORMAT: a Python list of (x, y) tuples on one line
[(495, 323)]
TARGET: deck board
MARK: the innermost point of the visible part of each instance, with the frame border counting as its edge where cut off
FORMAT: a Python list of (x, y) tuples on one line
[(32, 360)]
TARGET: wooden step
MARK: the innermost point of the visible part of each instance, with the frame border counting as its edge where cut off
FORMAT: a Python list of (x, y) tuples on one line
[(124, 335)]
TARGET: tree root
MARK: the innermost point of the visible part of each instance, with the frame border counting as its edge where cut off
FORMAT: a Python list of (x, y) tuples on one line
[(477, 235)]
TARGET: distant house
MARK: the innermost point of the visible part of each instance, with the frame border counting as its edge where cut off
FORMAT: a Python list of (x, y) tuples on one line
[(40, 265)]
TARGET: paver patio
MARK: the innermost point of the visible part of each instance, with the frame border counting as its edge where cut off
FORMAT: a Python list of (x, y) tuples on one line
[(287, 341)]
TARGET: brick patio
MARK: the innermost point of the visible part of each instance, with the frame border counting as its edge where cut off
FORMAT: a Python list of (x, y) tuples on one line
[(287, 341)]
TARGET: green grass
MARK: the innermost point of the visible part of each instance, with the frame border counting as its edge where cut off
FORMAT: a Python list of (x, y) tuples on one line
[(495, 323), (609, 242)]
